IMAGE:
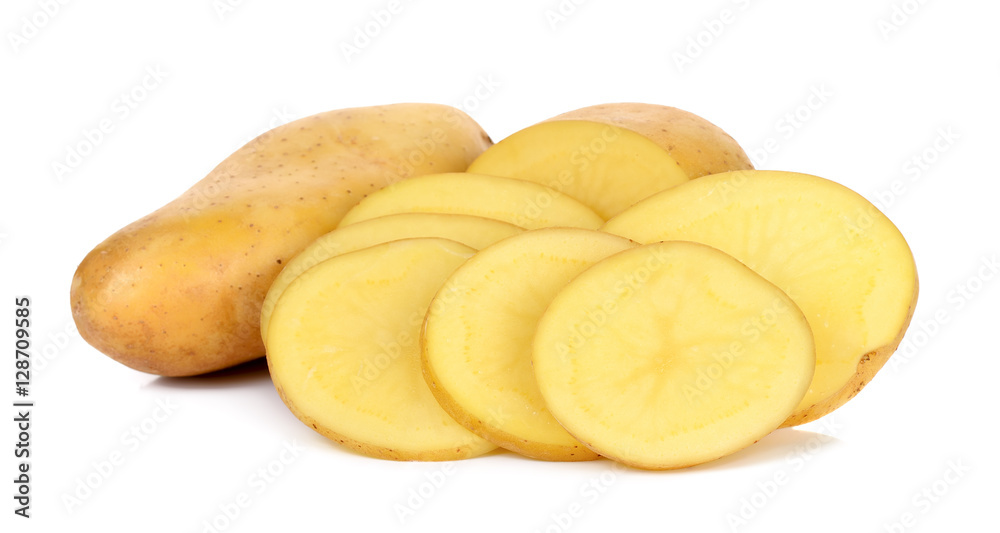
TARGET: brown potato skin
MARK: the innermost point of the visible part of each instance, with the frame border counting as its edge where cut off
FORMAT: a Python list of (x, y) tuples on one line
[(868, 366), (699, 147), (179, 292)]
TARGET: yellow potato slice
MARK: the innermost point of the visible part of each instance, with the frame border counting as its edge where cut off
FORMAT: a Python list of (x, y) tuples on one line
[(478, 332), (671, 354), (476, 232), (522, 203), (610, 156), (343, 351), (843, 262)]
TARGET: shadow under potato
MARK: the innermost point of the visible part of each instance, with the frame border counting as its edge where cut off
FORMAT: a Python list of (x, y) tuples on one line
[(776, 446), (250, 373)]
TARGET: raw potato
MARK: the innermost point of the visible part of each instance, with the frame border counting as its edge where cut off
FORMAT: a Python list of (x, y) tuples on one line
[(843, 262), (477, 337), (522, 203), (613, 155), (671, 354), (179, 292), (344, 354), (476, 232)]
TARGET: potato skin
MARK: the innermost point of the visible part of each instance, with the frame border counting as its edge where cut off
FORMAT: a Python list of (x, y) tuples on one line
[(179, 291), (868, 366), (699, 147)]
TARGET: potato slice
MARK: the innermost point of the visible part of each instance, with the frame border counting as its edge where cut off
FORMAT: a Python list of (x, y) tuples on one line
[(522, 203), (476, 232), (843, 262), (671, 354), (478, 332), (613, 155), (343, 351)]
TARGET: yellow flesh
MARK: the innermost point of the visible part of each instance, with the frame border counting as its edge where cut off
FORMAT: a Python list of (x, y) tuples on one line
[(652, 356), (343, 351), (478, 333), (842, 261), (476, 232), (606, 167), (698, 146), (522, 203)]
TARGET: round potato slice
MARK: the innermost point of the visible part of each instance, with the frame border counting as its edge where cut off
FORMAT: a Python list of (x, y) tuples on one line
[(843, 262), (476, 232), (343, 351), (522, 203), (478, 332), (671, 354)]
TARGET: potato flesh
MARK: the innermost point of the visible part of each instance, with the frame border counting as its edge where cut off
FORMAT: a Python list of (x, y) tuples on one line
[(478, 334), (843, 262), (647, 357), (522, 203), (343, 350), (610, 156), (698, 146), (605, 167), (475, 232)]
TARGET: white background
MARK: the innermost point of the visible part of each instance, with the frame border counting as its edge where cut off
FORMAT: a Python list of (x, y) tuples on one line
[(921, 439)]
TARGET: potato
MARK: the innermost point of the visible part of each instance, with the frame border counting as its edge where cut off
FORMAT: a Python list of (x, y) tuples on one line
[(475, 232), (522, 203), (842, 261), (478, 332), (344, 355), (647, 359), (179, 291), (611, 156)]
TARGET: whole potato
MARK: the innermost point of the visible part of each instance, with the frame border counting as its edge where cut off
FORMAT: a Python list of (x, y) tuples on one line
[(179, 291)]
